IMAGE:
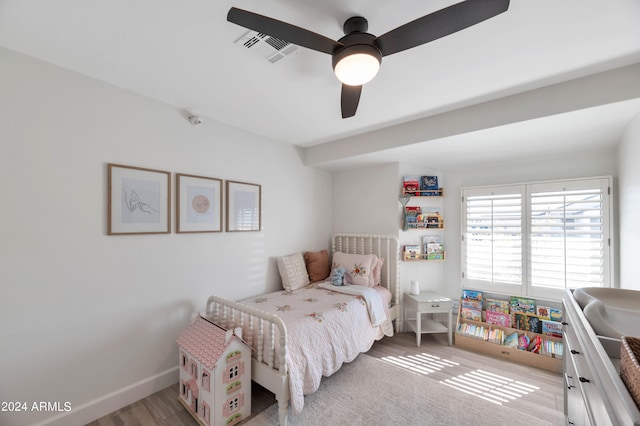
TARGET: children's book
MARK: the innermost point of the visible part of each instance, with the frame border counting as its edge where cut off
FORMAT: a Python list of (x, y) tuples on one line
[(471, 294), (471, 304), (498, 318), (429, 183), (555, 314), (523, 305), (511, 340), (411, 252), (496, 305), (534, 324), (527, 322), (471, 314), (431, 239), (411, 213), (411, 185), (543, 312), (552, 328)]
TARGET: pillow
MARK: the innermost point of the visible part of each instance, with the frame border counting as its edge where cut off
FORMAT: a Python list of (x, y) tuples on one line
[(359, 267), (377, 271), (318, 265), (293, 271)]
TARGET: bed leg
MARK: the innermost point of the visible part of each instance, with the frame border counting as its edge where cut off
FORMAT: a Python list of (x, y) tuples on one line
[(283, 411)]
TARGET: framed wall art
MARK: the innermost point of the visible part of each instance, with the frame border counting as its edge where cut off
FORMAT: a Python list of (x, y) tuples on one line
[(243, 206), (199, 204), (138, 200)]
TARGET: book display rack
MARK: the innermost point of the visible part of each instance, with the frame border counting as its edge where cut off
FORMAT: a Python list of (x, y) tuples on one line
[(511, 328)]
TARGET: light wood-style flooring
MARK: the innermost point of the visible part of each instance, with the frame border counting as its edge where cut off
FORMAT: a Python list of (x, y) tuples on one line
[(163, 408)]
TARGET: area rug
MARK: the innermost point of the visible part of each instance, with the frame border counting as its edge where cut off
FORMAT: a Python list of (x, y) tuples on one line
[(369, 391)]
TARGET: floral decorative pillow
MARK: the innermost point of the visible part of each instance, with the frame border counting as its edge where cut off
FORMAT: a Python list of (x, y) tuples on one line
[(359, 267)]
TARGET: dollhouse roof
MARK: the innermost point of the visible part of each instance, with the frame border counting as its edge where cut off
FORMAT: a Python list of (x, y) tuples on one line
[(205, 341)]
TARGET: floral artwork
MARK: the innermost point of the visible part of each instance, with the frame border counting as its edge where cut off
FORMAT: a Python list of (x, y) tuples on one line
[(284, 308)]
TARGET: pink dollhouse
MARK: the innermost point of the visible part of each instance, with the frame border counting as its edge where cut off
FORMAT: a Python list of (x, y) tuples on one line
[(215, 374)]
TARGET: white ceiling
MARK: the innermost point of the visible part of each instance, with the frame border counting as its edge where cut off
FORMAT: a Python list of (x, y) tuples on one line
[(182, 53)]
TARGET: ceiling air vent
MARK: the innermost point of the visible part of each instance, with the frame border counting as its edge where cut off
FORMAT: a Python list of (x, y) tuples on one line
[(270, 48)]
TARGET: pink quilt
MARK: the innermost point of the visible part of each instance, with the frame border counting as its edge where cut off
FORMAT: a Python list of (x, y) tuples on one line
[(325, 328)]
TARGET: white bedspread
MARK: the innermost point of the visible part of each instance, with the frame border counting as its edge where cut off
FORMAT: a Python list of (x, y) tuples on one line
[(326, 329), (375, 305)]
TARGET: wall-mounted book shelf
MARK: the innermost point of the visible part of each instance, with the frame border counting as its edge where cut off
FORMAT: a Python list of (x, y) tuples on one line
[(408, 257), (424, 192)]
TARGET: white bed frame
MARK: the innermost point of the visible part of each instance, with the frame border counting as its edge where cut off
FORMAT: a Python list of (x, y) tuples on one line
[(264, 371)]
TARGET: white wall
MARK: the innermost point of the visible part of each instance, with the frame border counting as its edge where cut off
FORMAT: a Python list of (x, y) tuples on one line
[(92, 319), (366, 201), (629, 213), (578, 165)]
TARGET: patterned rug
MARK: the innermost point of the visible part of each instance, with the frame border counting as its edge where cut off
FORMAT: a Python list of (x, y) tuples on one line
[(372, 392)]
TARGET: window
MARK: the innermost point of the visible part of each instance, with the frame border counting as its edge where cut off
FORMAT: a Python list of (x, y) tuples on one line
[(233, 372), (537, 239), (206, 380)]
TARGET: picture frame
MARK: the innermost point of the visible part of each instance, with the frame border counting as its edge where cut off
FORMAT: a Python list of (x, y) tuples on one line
[(198, 204), (244, 210), (138, 200)]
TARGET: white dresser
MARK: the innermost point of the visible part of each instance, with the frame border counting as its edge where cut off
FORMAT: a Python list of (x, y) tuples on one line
[(594, 394)]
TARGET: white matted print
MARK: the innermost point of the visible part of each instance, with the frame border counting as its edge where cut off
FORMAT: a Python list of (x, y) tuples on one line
[(243, 206), (199, 204), (139, 200)]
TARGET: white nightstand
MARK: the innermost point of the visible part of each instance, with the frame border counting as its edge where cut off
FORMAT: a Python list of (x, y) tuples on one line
[(427, 303)]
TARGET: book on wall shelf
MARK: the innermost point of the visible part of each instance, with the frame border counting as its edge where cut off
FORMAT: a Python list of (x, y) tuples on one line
[(411, 252), (421, 186), (423, 218)]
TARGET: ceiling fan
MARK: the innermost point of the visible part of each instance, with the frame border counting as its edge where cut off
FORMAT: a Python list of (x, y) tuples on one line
[(356, 57)]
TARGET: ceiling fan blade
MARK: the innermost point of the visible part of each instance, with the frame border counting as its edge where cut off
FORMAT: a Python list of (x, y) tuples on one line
[(349, 100), (439, 24), (282, 30)]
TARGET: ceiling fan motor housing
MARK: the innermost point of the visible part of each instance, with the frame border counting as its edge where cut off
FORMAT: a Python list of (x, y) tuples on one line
[(355, 43)]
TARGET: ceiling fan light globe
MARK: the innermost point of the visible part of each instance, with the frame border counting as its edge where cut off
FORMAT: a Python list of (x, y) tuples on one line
[(357, 69)]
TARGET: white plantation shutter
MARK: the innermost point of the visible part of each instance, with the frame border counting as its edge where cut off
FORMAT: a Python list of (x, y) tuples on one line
[(569, 234), (537, 239), (493, 237)]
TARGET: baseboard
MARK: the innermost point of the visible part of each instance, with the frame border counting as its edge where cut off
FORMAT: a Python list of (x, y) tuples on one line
[(94, 409)]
